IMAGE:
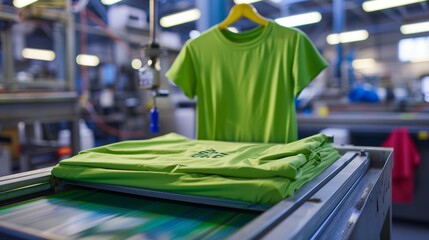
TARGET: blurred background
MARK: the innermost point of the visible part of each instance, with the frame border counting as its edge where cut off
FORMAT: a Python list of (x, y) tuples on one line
[(71, 72)]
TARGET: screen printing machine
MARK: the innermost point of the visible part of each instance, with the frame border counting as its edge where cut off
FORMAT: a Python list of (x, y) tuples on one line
[(351, 199)]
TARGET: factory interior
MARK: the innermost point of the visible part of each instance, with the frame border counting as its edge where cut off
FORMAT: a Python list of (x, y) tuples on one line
[(84, 81)]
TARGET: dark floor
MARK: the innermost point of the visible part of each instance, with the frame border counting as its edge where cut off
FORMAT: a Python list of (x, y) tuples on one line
[(402, 230)]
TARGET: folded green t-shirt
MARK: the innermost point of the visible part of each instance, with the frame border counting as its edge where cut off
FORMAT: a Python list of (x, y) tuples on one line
[(252, 172)]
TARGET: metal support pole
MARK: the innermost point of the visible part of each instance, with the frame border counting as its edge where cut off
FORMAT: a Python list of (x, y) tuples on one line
[(70, 74), (212, 12), (8, 66), (70, 46), (152, 21), (339, 17), (351, 55), (150, 74)]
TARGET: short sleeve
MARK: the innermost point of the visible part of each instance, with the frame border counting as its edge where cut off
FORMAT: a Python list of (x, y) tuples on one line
[(307, 63), (182, 72)]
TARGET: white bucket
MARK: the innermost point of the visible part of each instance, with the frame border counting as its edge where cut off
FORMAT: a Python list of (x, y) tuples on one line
[(5, 161), (341, 135), (85, 134)]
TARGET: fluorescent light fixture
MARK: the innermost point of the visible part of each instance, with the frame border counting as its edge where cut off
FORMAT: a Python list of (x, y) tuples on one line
[(246, 1), (23, 3), (109, 2), (136, 64), (363, 63), (415, 28), (299, 19), (180, 18), (375, 5), (87, 60), (38, 54), (346, 37)]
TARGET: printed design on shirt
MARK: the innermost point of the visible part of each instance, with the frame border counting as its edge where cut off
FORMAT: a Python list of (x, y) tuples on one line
[(209, 153)]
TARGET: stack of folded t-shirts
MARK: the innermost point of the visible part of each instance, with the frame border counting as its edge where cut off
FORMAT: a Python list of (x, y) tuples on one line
[(252, 172)]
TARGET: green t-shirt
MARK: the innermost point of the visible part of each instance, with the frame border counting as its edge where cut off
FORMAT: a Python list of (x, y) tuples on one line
[(246, 83), (252, 172)]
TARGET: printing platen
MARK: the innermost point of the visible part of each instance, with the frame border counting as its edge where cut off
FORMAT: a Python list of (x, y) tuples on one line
[(83, 213)]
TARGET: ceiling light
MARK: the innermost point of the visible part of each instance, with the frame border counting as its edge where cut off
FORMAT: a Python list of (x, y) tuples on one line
[(415, 28), (363, 63), (346, 37), (375, 5), (109, 2), (246, 1), (136, 64), (299, 19), (87, 60), (38, 54), (180, 18), (22, 3)]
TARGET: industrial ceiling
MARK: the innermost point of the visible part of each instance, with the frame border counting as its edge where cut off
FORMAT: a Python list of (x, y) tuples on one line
[(354, 17)]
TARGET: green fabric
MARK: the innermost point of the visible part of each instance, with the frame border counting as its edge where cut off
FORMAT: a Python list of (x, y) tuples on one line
[(246, 83), (260, 173)]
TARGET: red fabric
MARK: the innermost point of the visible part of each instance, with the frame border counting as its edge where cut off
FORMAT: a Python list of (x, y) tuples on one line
[(405, 159)]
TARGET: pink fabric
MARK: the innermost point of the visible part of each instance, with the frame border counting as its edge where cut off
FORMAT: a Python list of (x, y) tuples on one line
[(405, 159)]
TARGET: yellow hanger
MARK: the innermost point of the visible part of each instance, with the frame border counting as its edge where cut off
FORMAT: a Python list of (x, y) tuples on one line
[(243, 10)]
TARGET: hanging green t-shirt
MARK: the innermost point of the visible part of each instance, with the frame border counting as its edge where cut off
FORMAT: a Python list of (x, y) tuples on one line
[(252, 172), (246, 83)]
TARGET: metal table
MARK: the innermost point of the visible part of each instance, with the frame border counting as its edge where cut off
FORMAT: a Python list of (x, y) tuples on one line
[(371, 129), (349, 200), (43, 107)]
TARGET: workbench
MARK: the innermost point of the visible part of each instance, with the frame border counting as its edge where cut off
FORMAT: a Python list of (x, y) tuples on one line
[(44, 107), (371, 129), (349, 200)]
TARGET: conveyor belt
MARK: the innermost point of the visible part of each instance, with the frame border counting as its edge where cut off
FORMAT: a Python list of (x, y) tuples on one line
[(82, 213)]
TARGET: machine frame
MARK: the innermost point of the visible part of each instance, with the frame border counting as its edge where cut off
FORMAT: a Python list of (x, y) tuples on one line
[(349, 200)]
